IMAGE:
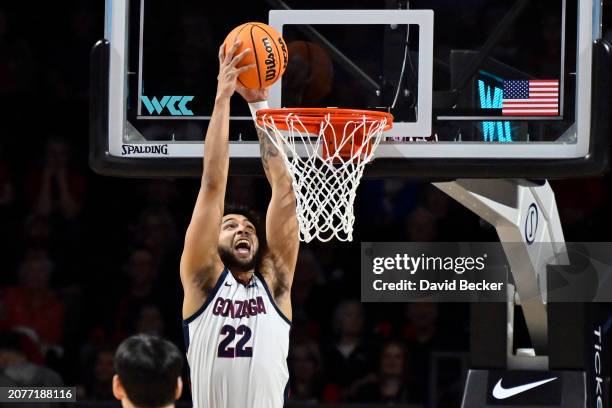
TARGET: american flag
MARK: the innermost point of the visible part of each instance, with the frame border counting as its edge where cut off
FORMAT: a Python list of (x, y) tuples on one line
[(531, 98)]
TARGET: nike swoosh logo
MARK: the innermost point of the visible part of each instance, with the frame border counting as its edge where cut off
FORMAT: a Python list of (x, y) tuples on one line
[(499, 392), (227, 284)]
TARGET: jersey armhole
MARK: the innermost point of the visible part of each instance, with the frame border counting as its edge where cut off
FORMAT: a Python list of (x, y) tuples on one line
[(209, 298), (265, 285)]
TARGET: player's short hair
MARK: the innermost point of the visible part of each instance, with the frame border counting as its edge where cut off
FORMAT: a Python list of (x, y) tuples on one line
[(148, 368), (252, 216)]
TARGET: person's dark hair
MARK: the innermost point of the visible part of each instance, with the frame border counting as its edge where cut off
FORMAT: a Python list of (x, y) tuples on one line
[(252, 216), (148, 368), (11, 341)]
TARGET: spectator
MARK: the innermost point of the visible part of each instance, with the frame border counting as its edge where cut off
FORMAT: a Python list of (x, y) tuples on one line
[(421, 226), (422, 318), (8, 209), (160, 194), (6, 183), (148, 372), (307, 375), (422, 335), (4, 324), (84, 27), (17, 62), (150, 321), (30, 344), (388, 201), (389, 385), (309, 297), (141, 290), (336, 274), (37, 232), (577, 214), (17, 371), (57, 190), (347, 358), (156, 231), (101, 377), (33, 303), (451, 221)]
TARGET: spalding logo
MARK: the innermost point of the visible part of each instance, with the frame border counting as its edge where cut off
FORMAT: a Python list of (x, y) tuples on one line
[(150, 149), (270, 61)]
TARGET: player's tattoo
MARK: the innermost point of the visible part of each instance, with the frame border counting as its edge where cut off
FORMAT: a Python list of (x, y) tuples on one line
[(266, 148)]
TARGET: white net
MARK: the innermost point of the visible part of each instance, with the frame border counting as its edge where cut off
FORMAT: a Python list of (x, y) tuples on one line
[(325, 168)]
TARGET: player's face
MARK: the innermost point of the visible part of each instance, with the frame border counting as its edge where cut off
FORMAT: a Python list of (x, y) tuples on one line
[(238, 244)]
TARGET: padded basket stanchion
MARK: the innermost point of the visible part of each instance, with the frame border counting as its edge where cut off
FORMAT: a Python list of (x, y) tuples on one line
[(325, 151)]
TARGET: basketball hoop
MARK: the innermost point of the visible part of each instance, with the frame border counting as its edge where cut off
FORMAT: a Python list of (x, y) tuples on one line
[(325, 151)]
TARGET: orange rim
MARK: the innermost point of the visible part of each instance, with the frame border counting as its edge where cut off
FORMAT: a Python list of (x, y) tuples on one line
[(314, 116)]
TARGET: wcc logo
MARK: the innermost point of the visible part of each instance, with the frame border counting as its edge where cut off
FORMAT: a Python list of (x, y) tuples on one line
[(174, 105)]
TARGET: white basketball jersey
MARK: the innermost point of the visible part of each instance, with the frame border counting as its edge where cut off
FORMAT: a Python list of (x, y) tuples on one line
[(237, 345)]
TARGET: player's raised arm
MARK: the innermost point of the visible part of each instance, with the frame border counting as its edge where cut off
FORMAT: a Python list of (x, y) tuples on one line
[(281, 220), (200, 263)]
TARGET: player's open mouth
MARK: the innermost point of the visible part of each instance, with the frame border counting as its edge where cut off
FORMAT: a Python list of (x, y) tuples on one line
[(243, 246)]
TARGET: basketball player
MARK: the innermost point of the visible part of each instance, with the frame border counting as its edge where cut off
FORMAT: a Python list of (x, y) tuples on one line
[(148, 373), (236, 306)]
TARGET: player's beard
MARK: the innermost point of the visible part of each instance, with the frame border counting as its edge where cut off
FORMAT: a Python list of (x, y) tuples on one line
[(235, 264)]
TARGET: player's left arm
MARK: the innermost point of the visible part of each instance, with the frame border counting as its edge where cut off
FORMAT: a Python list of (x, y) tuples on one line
[(278, 264)]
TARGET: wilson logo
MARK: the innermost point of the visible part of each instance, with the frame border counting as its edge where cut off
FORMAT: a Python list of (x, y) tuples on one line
[(175, 105), (127, 150), (270, 61)]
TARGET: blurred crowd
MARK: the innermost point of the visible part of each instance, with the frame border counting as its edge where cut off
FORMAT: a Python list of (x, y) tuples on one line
[(87, 261)]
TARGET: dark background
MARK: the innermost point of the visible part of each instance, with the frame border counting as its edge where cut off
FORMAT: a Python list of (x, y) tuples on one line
[(88, 260)]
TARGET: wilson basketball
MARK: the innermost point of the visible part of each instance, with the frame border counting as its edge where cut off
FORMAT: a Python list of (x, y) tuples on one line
[(268, 53)]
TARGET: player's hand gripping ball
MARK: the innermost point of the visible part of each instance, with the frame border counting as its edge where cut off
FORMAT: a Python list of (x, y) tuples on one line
[(268, 53)]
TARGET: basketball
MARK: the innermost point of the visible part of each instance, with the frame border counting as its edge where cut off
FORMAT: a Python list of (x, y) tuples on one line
[(268, 53)]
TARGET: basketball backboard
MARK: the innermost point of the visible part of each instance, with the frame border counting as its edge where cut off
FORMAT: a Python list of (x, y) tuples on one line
[(477, 88)]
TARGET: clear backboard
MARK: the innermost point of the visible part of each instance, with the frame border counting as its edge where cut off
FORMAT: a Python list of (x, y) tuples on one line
[(477, 88)]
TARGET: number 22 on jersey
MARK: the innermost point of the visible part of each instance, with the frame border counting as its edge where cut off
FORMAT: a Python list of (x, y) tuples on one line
[(240, 350)]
